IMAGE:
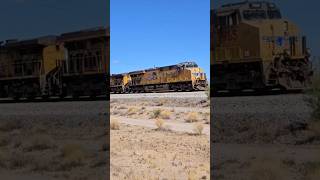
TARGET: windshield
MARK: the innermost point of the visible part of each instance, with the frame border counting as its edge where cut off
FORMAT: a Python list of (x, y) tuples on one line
[(274, 14), (254, 14)]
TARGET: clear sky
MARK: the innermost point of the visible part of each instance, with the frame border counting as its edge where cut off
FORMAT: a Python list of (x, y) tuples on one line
[(148, 33), (305, 14), (32, 18)]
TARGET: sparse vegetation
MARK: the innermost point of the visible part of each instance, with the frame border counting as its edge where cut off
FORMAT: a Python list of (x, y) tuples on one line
[(114, 124), (313, 99), (155, 113), (208, 92), (192, 117), (11, 125), (39, 142), (165, 114), (4, 140), (314, 175), (73, 155), (198, 128), (122, 107), (132, 111), (2, 159), (268, 169), (159, 123), (19, 160)]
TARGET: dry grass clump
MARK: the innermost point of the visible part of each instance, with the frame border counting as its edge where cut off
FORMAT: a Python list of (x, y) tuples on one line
[(73, 155), (267, 169), (2, 159), (192, 117), (155, 113), (39, 142), (11, 125), (158, 113), (165, 114), (132, 111), (4, 140), (313, 174), (122, 107), (314, 126), (159, 123), (198, 129), (19, 160), (114, 124)]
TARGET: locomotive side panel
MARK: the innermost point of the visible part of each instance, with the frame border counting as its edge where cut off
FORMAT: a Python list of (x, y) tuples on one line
[(86, 66)]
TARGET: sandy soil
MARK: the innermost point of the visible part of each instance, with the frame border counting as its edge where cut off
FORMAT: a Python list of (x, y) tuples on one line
[(264, 137), (179, 148), (143, 153), (53, 141)]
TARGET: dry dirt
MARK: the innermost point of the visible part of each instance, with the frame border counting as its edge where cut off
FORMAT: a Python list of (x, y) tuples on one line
[(61, 140), (160, 137), (264, 137)]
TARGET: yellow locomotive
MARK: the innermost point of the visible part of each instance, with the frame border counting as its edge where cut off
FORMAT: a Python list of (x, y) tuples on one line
[(186, 76), (71, 64), (253, 47)]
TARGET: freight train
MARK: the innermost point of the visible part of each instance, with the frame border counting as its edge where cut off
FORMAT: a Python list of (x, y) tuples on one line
[(71, 64), (253, 47), (186, 76)]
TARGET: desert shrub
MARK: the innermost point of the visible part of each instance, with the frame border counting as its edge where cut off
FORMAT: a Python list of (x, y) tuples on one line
[(39, 143), (165, 114), (122, 107), (192, 117), (132, 111), (43, 164), (268, 169), (198, 128), (73, 155), (114, 124), (156, 113), (19, 160), (159, 123)]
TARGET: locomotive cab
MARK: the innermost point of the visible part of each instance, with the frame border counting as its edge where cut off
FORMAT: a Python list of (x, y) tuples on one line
[(253, 47)]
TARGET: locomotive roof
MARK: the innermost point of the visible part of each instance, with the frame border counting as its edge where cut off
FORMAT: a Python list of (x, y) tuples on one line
[(188, 63), (246, 5), (84, 34), (29, 43), (118, 75)]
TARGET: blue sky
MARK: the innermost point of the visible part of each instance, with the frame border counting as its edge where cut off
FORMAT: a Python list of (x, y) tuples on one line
[(148, 33), (32, 18), (304, 13)]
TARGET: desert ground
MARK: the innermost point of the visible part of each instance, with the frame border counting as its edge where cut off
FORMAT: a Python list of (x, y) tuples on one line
[(160, 136), (54, 140), (264, 137)]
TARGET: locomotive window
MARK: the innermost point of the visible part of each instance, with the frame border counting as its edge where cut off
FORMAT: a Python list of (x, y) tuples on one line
[(274, 14), (254, 14)]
